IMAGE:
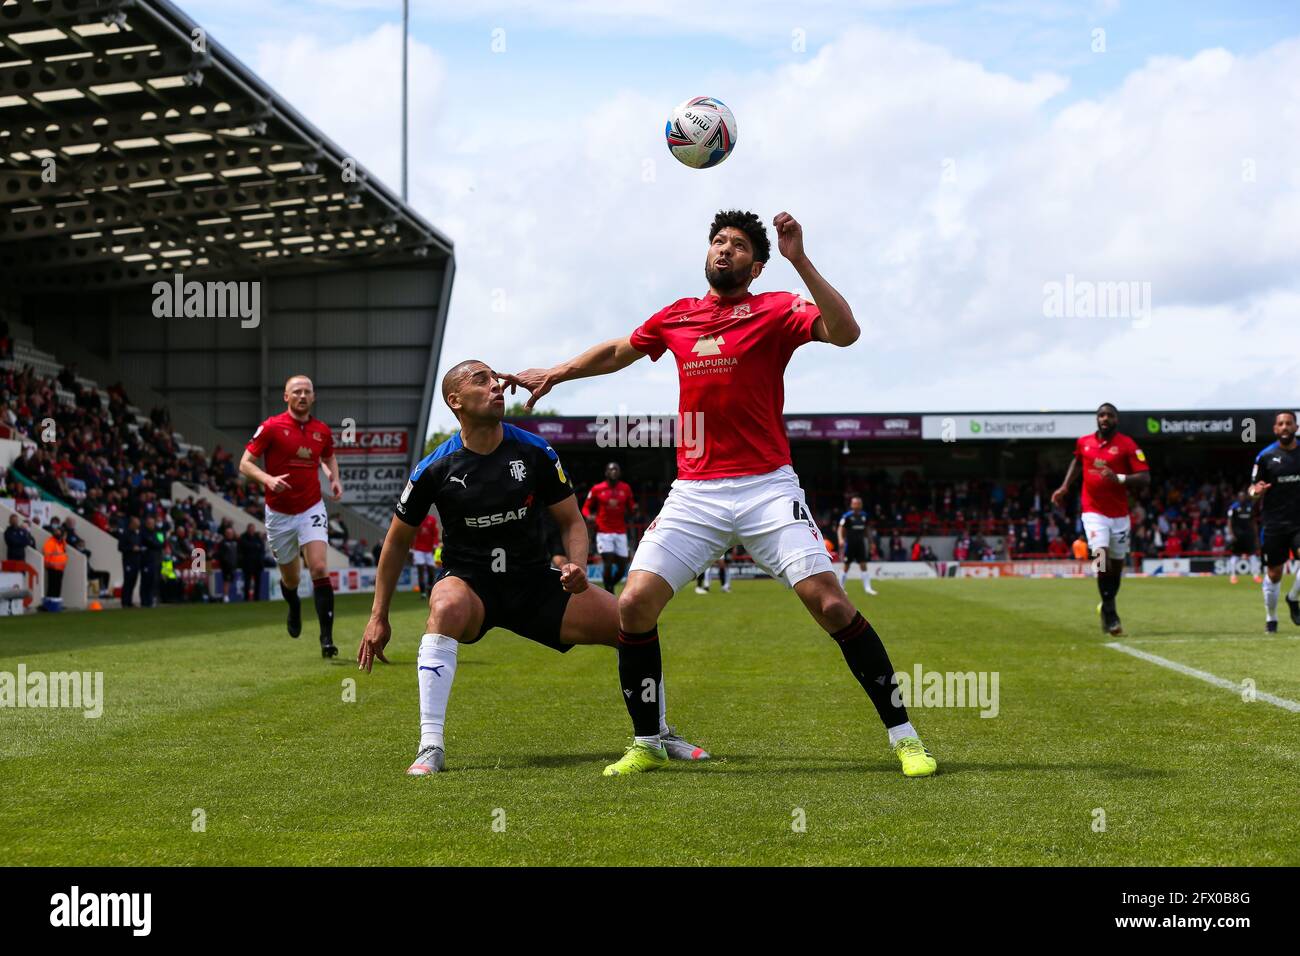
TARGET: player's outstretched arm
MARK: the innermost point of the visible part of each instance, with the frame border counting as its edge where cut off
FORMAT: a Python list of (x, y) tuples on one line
[(602, 359), (1058, 496), (836, 324), (397, 544), (573, 576)]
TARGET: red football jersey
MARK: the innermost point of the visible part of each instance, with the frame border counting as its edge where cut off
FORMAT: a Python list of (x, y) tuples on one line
[(731, 357), (1122, 455), (426, 537), (294, 448), (611, 504)]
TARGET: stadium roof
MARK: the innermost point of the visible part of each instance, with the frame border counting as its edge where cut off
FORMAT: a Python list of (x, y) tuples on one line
[(132, 146)]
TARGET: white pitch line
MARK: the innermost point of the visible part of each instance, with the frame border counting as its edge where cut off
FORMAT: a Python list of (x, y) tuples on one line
[(1209, 678), (1269, 638)]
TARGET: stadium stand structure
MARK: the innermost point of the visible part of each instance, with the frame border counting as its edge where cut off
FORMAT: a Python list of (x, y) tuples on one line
[(138, 155)]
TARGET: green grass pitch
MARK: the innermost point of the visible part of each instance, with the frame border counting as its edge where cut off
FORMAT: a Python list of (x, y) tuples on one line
[(214, 708)]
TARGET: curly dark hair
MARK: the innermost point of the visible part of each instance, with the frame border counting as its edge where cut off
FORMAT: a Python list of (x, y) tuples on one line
[(749, 224)]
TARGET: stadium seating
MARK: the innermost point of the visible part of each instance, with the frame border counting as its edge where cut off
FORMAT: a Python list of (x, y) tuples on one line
[(141, 467)]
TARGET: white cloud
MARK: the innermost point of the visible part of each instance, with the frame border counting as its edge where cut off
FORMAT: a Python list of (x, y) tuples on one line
[(579, 224)]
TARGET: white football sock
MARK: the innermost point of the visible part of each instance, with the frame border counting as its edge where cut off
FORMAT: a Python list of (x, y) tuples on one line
[(663, 710), (437, 669), (844, 576), (650, 741), (1294, 593), (902, 730), (1271, 589)]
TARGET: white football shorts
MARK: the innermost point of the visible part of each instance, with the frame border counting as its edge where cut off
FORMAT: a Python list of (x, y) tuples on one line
[(288, 533), (767, 514), (422, 558), (611, 542), (1109, 533)]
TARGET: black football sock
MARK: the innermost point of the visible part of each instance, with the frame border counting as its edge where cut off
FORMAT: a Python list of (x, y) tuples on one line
[(699, 580), (1115, 579), (867, 659), (640, 669), (608, 571), (722, 574), (291, 598), (323, 594)]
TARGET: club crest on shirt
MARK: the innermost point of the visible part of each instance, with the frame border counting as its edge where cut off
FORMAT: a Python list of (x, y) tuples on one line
[(740, 311), (303, 452), (517, 470)]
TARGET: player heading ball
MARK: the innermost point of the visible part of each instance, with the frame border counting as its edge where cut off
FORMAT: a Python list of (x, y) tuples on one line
[(732, 347)]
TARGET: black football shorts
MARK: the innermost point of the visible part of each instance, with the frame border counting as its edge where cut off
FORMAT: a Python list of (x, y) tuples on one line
[(531, 603)]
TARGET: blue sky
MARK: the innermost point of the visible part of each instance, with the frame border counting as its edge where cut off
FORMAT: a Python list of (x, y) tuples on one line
[(1169, 158)]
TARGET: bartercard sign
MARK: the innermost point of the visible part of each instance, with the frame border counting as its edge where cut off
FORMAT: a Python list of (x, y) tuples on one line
[(966, 427)]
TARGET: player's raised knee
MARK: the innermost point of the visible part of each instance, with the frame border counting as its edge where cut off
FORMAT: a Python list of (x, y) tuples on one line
[(449, 613)]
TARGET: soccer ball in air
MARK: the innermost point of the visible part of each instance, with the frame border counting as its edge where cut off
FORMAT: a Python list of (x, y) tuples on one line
[(701, 132)]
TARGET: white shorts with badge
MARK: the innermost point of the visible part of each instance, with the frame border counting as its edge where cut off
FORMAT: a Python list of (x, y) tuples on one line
[(422, 559), (288, 533), (700, 520), (611, 542), (1109, 533)]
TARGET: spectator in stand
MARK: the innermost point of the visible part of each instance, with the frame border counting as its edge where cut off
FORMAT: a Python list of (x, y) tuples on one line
[(252, 557), (1080, 548), (1056, 548), (17, 540), (917, 549)]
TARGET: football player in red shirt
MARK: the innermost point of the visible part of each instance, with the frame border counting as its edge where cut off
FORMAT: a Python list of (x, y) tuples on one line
[(422, 548), (1111, 464), (608, 504), (736, 486), (295, 446)]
